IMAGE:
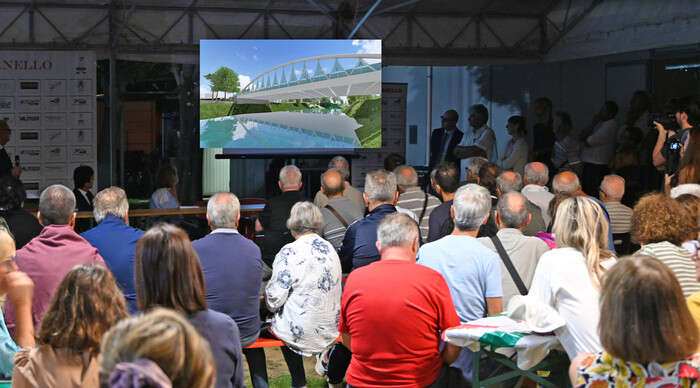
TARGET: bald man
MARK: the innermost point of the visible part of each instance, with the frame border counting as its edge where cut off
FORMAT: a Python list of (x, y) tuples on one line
[(612, 188), (340, 211), (411, 197), (444, 139), (512, 217), (510, 181), (535, 190)]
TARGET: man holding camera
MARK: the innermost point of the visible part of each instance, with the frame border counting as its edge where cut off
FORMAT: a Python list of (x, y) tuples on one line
[(671, 141)]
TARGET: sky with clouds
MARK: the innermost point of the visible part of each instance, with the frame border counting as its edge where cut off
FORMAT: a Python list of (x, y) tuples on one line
[(249, 58)]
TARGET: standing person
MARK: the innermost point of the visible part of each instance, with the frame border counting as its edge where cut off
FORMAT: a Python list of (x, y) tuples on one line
[(543, 131), (304, 291), (275, 214), (48, 257), (232, 270), (6, 166), (167, 273), (411, 197), (339, 211), (566, 154), (341, 164), (115, 240), (640, 348), (24, 226), (160, 346), (515, 155), (568, 278), (86, 304), (480, 141), (395, 338), (443, 140), (689, 165), (84, 179), (472, 271), (599, 143)]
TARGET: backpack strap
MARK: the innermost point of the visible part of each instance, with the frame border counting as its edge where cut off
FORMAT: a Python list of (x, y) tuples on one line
[(509, 265), (337, 215)]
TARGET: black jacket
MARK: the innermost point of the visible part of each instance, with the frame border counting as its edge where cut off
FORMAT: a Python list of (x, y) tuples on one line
[(436, 145)]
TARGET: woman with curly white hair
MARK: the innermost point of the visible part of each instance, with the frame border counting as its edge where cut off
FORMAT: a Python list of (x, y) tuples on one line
[(304, 291)]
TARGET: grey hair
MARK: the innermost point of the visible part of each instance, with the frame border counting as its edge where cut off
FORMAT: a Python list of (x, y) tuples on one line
[(507, 185), (342, 165), (304, 217), (404, 182), (110, 202), (512, 209), (290, 176), (223, 209), (56, 205), (570, 188), (607, 185), (475, 163), (396, 230), (380, 186), (472, 204), (534, 177)]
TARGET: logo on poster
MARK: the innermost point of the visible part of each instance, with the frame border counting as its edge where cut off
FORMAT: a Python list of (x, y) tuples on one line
[(26, 64)]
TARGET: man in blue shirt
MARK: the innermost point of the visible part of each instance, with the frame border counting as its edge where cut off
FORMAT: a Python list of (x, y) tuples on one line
[(115, 240), (360, 243), (472, 271), (232, 269)]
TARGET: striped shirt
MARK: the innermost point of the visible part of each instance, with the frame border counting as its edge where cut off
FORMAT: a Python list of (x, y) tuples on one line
[(413, 199), (333, 230), (678, 259), (620, 217)]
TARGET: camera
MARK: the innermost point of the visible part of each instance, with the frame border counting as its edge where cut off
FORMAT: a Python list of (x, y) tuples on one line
[(666, 117), (673, 146)]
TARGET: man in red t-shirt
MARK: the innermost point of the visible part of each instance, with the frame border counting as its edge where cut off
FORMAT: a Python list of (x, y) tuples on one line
[(393, 312)]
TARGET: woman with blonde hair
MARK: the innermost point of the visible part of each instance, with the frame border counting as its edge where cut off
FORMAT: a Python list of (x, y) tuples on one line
[(86, 304), (156, 349), (646, 331), (568, 278)]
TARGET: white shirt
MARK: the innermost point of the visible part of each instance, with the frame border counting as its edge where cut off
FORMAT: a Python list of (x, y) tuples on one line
[(483, 138), (601, 143), (305, 290), (516, 156), (562, 281), (540, 196)]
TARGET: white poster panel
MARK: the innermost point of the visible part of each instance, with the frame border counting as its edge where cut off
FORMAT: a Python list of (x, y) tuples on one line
[(48, 99)]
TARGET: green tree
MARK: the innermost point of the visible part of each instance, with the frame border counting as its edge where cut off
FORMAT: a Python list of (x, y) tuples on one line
[(224, 80)]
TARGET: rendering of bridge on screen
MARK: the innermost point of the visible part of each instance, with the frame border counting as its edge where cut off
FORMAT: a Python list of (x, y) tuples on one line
[(275, 95)]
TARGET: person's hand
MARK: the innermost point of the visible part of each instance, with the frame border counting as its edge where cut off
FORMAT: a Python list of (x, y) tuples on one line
[(16, 171), (660, 128), (20, 288)]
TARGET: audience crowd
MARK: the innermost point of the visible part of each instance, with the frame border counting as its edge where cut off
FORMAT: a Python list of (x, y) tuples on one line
[(368, 281)]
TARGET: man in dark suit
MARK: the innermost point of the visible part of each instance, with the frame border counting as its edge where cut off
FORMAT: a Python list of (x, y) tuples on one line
[(83, 178), (443, 140), (232, 270), (6, 167)]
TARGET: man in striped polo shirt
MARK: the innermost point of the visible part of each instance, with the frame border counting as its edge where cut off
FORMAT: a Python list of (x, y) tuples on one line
[(340, 211), (411, 197), (612, 188)]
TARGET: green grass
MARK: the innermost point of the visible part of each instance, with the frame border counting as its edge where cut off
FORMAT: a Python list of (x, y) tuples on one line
[(368, 113), (210, 111), (285, 381)]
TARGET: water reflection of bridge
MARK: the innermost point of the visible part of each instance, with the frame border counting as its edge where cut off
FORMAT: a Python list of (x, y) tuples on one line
[(282, 82)]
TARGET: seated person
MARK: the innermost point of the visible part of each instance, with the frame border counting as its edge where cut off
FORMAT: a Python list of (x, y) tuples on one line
[(159, 346), (23, 225), (115, 240), (57, 241), (17, 287), (167, 273), (70, 334), (647, 333), (304, 291), (165, 197), (386, 350)]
